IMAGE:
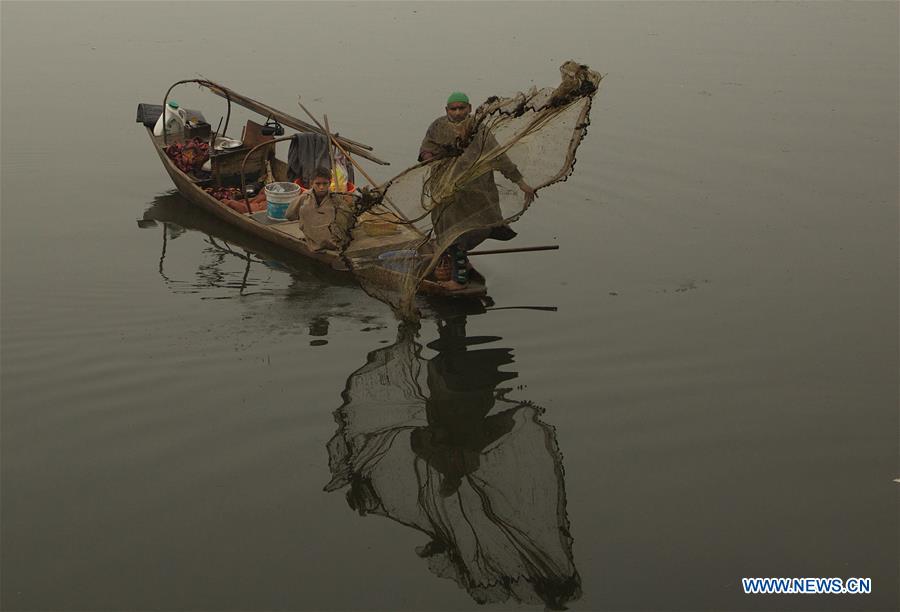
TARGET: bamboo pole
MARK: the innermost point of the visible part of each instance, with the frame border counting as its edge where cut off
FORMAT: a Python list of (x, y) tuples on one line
[(331, 142), (544, 308), (357, 166), (283, 118), (552, 247)]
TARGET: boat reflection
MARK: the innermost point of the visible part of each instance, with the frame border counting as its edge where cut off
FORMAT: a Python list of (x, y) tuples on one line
[(234, 265), (436, 444)]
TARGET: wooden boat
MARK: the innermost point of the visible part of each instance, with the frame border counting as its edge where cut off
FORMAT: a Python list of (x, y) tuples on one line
[(230, 167)]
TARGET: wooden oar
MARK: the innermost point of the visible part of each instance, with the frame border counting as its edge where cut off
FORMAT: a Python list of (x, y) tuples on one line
[(543, 308), (551, 247), (283, 118)]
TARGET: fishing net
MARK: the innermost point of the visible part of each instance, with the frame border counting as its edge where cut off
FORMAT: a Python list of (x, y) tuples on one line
[(435, 445), (478, 182)]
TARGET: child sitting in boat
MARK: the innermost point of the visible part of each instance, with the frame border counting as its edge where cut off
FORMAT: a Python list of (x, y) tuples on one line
[(325, 217)]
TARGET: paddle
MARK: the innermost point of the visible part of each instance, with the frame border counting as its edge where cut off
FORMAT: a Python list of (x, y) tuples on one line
[(551, 247)]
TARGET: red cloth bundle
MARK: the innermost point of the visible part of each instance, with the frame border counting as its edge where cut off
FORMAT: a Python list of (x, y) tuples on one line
[(241, 205), (190, 155)]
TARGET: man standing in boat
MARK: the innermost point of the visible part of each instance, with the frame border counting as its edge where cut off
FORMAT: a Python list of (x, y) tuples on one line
[(325, 217), (478, 205)]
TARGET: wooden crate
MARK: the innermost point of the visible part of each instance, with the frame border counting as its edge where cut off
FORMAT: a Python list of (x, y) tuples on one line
[(226, 165)]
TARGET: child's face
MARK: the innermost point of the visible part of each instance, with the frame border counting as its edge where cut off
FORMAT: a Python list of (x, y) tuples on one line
[(320, 185)]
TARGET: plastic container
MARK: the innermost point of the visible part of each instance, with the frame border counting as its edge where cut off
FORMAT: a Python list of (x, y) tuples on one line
[(279, 196), (174, 118), (338, 179)]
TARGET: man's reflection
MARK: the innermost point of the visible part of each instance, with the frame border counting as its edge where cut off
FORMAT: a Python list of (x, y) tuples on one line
[(461, 385), (434, 444)]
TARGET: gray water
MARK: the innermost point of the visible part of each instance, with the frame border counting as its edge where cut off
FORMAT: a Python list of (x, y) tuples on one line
[(711, 384)]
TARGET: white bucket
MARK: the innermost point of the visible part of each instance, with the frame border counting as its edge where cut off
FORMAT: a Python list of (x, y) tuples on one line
[(279, 196)]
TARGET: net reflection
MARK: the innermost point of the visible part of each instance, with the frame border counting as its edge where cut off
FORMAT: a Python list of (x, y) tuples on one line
[(435, 444)]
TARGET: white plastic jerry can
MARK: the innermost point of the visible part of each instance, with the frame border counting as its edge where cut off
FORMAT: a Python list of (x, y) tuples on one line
[(174, 118)]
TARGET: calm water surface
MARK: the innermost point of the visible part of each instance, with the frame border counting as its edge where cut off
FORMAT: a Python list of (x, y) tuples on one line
[(709, 389)]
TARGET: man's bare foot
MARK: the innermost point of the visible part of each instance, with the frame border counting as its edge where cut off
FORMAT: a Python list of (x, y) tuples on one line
[(451, 285)]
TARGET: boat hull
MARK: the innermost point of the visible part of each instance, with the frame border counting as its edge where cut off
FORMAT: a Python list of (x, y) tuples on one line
[(195, 194)]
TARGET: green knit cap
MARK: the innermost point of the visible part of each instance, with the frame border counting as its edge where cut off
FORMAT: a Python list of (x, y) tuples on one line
[(458, 96)]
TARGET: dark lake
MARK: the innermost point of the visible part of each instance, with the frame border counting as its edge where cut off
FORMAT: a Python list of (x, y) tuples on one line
[(700, 385)]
